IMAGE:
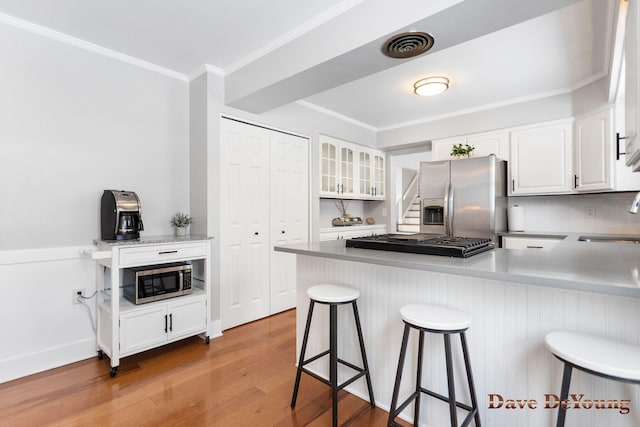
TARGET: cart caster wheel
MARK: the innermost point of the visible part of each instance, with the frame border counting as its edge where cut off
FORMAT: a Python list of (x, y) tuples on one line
[(100, 355), (114, 371), (207, 340)]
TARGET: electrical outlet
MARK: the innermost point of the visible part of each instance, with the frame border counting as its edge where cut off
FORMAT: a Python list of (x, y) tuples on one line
[(589, 212), (74, 297)]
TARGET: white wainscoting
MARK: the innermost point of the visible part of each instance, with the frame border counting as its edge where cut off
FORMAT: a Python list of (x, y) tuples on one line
[(506, 340), (41, 328)]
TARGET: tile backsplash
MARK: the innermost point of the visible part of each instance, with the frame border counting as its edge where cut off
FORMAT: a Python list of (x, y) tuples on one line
[(593, 213)]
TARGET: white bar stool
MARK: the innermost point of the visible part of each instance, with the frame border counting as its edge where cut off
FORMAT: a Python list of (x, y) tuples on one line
[(333, 296), (601, 356), (439, 320)]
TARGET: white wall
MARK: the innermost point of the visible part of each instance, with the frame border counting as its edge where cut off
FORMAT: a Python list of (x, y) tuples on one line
[(73, 123)]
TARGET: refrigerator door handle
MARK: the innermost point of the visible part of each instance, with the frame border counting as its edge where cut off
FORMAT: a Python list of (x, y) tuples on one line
[(447, 191), (452, 209)]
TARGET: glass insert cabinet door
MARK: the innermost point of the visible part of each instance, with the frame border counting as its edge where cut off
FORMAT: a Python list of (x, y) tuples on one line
[(378, 175), (329, 182), (365, 173), (347, 163)]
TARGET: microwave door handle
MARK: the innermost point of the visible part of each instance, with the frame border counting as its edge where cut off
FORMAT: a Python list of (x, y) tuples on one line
[(446, 207), (180, 280)]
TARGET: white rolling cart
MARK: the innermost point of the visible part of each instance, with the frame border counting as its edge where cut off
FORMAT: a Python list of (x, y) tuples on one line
[(124, 328)]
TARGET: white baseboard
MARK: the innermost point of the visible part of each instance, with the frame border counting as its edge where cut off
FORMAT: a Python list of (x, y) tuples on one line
[(215, 326), (29, 364)]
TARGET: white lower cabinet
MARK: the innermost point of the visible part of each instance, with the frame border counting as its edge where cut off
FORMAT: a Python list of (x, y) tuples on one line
[(533, 243), (147, 327)]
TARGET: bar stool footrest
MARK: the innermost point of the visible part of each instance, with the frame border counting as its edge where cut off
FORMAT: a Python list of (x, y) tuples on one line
[(316, 357), (404, 404), (412, 397), (361, 371), (445, 399)]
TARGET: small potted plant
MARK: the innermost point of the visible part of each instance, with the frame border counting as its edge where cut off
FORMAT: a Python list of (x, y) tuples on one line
[(462, 151), (180, 221)]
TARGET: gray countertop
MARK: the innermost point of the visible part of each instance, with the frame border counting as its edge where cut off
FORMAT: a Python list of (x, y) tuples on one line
[(148, 240), (607, 268)]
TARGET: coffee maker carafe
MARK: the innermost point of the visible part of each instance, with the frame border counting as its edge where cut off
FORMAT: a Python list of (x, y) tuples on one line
[(120, 216)]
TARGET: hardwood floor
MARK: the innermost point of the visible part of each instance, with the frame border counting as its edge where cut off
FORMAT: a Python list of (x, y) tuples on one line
[(244, 378)]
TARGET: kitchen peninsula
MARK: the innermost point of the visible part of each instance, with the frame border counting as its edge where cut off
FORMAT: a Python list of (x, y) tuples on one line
[(515, 298)]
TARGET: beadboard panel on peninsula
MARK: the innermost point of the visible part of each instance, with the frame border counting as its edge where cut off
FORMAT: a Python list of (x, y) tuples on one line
[(506, 339)]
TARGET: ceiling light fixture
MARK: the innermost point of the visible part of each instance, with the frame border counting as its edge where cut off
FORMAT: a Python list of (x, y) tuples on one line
[(431, 86)]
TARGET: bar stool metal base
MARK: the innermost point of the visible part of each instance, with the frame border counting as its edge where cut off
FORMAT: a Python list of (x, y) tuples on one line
[(333, 358), (396, 409)]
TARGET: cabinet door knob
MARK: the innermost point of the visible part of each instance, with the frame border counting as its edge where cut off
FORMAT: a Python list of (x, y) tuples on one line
[(283, 232), (256, 233)]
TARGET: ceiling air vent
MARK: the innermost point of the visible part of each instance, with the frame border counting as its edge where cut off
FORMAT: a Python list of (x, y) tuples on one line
[(407, 45)]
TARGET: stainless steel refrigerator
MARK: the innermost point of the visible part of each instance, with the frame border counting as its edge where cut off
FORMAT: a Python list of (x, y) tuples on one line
[(464, 198)]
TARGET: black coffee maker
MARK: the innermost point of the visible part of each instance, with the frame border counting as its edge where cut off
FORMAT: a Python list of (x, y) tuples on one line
[(120, 216)]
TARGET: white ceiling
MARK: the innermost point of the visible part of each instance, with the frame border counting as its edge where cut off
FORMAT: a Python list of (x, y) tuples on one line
[(326, 53)]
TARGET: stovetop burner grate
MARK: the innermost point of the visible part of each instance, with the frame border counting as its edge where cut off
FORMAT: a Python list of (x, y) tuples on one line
[(429, 244)]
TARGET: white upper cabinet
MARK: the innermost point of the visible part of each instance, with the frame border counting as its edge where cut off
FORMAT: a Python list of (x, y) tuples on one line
[(625, 178), (347, 171), (378, 174), (484, 144), (441, 148), (328, 166), (594, 152), (365, 164), (632, 85), (350, 171), (540, 159), (338, 167)]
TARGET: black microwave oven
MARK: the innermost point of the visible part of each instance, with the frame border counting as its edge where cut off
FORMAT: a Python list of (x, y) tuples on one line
[(156, 282)]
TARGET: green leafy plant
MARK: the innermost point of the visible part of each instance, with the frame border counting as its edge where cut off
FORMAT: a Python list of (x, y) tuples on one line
[(181, 220), (462, 150)]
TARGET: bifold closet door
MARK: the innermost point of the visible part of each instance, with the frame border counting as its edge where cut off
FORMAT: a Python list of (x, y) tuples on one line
[(244, 223), (289, 213)]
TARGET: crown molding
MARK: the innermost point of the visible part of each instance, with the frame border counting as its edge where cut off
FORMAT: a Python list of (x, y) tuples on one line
[(91, 47), (205, 68)]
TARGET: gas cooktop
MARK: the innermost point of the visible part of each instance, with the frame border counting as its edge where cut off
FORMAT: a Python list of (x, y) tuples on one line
[(428, 244)]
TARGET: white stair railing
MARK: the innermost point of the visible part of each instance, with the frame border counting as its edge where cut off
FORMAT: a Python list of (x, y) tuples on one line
[(409, 195)]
